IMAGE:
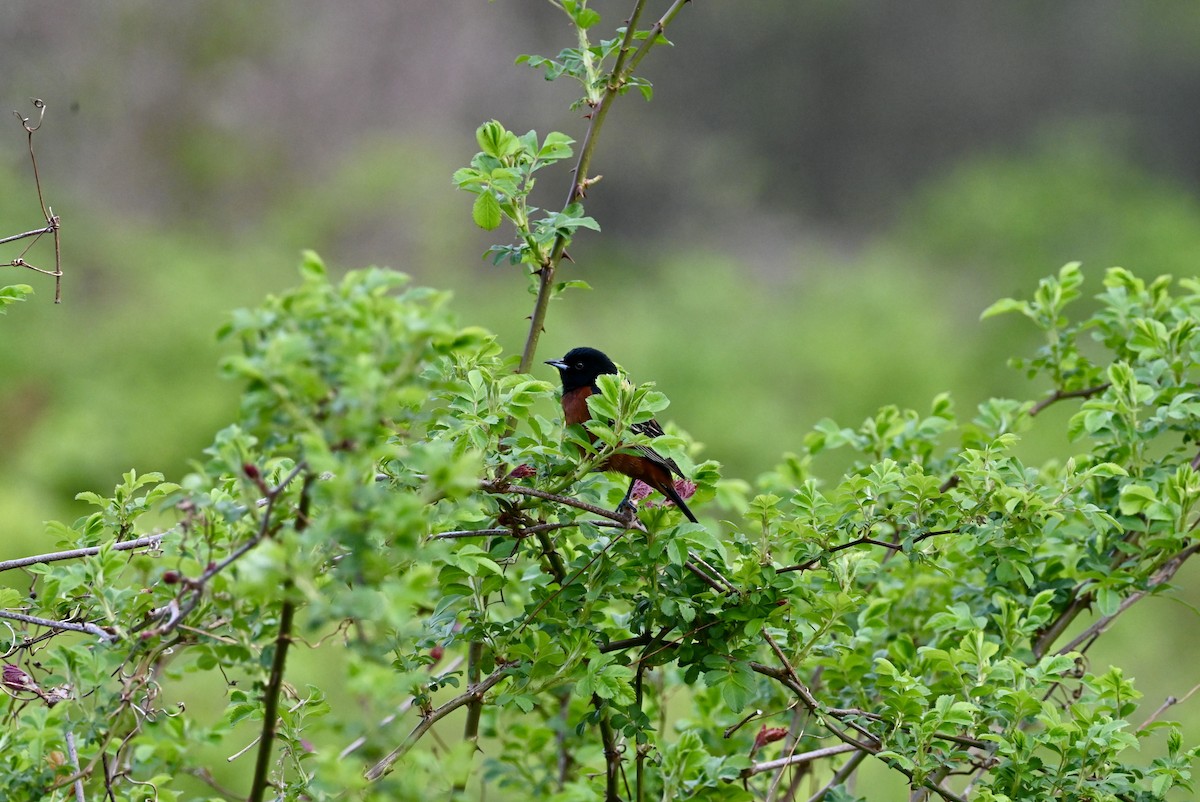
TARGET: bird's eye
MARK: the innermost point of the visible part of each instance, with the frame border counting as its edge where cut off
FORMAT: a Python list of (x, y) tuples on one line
[(578, 366)]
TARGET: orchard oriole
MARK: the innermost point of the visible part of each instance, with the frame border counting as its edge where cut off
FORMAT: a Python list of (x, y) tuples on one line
[(579, 370)]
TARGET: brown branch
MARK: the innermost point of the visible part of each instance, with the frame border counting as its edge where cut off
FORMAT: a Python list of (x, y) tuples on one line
[(622, 69), (860, 541), (612, 756), (1060, 395), (433, 717), (271, 701), (1168, 703), (502, 488), (1160, 577), (52, 220), (282, 641)]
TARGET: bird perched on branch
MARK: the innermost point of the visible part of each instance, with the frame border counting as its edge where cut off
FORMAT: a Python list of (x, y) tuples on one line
[(579, 370)]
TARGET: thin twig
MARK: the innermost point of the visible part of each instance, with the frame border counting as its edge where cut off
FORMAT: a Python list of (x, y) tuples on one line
[(1168, 703), (502, 488), (1160, 577), (792, 760), (37, 232), (384, 766), (1060, 395), (401, 708), (64, 626), (865, 540), (73, 756), (622, 70)]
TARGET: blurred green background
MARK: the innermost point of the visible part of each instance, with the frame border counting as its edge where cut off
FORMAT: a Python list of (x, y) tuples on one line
[(804, 223)]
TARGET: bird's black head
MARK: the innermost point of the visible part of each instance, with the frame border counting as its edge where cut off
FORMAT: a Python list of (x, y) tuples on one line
[(581, 366)]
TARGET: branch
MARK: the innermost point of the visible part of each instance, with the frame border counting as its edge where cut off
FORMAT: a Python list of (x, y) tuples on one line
[(1160, 577), (501, 488), (1169, 702), (271, 702), (52, 220), (282, 641), (1059, 395), (477, 691), (149, 541), (622, 69), (791, 760), (105, 635), (864, 540), (612, 756)]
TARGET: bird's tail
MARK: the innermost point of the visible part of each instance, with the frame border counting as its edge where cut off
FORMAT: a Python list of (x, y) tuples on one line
[(669, 491)]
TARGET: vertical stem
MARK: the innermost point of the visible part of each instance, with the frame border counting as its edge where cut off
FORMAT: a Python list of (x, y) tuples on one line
[(73, 756), (283, 640), (475, 706), (612, 758), (537, 320), (271, 700)]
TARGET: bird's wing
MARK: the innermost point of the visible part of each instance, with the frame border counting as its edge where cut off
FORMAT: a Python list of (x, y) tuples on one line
[(651, 428)]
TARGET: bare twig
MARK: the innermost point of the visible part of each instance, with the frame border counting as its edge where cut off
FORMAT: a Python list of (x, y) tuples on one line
[(501, 488), (1060, 395), (53, 222), (861, 541), (1168, 703), (476, 691), (792, 760), (401, 708), (73, 756), (104, 635), (612, 756), (149, 541)]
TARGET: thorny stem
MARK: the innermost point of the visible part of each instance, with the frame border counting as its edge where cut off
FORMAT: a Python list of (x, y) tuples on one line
[(622, 69)]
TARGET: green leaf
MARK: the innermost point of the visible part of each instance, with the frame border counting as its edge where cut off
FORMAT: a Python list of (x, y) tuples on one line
[(1005, 305), (486, 211), (12, 294)]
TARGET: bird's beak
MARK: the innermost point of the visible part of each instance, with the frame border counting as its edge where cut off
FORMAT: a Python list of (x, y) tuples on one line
[(557, 363)]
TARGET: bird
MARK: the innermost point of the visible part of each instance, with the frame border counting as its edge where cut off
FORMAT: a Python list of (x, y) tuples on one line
[(579, 370)]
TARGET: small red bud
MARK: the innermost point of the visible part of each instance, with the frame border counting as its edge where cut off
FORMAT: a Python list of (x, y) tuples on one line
[(768, 735), (436, 652), (16, 679), (251, 470), (170, 577)]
